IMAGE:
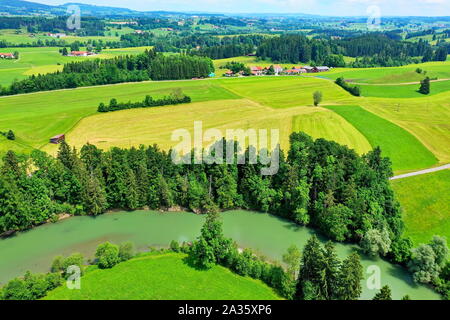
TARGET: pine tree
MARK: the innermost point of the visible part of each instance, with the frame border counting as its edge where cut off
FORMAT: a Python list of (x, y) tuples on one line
[(350, 278), (384, 294), (93, 196), (332, 275), (312, 269)]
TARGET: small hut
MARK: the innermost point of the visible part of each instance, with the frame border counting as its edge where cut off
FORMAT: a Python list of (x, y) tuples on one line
[(58, 139)]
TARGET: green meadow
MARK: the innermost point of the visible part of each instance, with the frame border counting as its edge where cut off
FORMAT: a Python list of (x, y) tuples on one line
[(45, 60), (284, 92), (425, 201), (418, 121), (38, 116), (392, 75), (164, 277), (404, 150), (403, 91), (23, 37)]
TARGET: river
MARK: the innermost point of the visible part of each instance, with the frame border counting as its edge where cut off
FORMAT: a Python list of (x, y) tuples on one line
[(268, 235)]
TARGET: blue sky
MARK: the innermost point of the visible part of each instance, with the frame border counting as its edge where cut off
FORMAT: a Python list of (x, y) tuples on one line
[(323, 7)]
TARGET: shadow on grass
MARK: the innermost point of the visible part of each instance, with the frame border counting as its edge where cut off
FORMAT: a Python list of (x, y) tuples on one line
[(190, 261)]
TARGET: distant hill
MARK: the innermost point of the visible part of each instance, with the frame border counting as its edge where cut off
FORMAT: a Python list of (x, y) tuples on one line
[(20, 7)]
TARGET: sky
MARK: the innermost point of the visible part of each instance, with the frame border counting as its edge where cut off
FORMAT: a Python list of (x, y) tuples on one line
[(322, 7)]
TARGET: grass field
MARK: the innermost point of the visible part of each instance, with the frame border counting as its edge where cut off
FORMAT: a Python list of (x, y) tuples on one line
[(164, 277), (155, 125), (427, 118), (37, 117), (45, 60), (403, 91), (425, 201), (404, 150), (24, 37), (283, 92), (392, 75), (276, 102), (331, 126)]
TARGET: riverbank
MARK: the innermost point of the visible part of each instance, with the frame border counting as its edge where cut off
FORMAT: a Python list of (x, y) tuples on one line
[(266, 234)]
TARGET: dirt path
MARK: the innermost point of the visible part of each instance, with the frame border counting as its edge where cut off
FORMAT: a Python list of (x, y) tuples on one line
[(417, 173), (394, 84)]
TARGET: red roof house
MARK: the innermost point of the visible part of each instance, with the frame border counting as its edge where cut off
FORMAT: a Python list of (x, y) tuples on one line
[(7, 56)]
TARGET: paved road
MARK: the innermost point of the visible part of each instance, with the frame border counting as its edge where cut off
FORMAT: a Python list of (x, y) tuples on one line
[(417, 173)]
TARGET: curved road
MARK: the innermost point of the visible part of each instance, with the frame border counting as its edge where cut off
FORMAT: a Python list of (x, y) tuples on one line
[(417, 173)]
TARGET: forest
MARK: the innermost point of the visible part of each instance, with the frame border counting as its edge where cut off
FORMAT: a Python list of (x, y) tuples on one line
[(91, 26), (131, 68), (371, 50)]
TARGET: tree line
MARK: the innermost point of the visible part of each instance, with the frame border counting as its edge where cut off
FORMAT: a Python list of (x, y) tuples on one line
[(130, 68), (353, 90), (225, 51), (176, 97), (92, 26), (372, 50)]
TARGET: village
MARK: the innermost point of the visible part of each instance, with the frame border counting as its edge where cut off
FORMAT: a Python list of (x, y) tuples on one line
[(276, 70)]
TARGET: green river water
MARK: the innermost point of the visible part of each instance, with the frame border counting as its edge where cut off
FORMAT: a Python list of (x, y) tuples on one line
[(268, 235)]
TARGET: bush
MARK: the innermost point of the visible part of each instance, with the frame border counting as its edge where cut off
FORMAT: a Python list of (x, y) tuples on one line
[(355, 90), (76, 259), (107, 255), (317, 96), (10, 135), (174, 246), (126, 251), (31, 287), (61, 264)]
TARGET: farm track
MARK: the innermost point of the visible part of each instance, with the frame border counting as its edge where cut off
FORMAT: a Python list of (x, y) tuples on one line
[(394, 84), (417, 173)]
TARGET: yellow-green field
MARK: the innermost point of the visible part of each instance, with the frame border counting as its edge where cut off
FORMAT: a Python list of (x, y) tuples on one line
[(155, 125), (33, 61), (425, 201), (255, 102)]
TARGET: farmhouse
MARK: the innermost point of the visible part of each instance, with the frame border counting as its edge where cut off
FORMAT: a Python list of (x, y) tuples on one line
[(316, 69), (81, 54), (278, 69), (57, 35), (309, 69), (295, 70), (123, 23), (7, 56), (257, 71), (58, 139), (322, 69)]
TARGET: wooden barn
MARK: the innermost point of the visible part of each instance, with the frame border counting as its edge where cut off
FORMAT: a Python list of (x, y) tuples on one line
[(58, 139)]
